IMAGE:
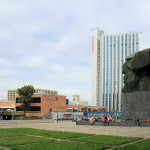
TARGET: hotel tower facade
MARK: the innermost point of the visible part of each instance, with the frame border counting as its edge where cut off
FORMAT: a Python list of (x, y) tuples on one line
[(108, 55)]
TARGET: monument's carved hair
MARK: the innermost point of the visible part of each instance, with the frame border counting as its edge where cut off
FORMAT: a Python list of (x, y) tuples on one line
[(137, 72)]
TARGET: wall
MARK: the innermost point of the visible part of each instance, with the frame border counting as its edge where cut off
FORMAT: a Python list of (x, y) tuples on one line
[(136, 104), (7, 104), (54, 102)]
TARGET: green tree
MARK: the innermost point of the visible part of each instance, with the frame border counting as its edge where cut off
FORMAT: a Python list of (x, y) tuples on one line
[(25, 97)]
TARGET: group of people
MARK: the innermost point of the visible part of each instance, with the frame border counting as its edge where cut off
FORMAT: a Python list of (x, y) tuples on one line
[(104, 119), (107, 119)]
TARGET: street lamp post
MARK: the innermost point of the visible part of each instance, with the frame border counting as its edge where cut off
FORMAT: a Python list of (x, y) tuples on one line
[(56, 117)]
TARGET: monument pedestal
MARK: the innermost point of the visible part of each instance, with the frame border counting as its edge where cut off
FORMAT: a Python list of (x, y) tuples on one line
[(136, 104)]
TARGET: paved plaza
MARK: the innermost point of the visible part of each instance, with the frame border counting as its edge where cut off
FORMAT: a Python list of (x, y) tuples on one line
[(72, 127)]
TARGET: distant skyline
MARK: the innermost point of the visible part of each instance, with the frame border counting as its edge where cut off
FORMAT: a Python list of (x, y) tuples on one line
[(48, 44)]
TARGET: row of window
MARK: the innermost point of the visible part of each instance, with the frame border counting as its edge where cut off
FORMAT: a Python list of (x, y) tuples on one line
[(123, 44), (34, 100), (125, 37), (32, 108), (114, 98), (110, 59)]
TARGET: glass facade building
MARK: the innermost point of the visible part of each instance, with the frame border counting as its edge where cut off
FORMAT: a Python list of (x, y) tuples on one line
[(108, 55)]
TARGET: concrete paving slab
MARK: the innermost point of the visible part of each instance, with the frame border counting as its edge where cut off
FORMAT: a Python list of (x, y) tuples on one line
[(72, 127)]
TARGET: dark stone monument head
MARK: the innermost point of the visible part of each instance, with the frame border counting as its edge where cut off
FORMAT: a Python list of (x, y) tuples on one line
[(136, 90)]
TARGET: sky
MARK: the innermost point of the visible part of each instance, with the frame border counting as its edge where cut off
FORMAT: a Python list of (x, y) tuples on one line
[(48, 43)]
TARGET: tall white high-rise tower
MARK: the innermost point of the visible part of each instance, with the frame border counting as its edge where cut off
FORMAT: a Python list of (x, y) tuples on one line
[(108, 55)]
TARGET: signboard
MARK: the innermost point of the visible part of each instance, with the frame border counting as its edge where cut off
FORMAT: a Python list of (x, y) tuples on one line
[(53, 99)]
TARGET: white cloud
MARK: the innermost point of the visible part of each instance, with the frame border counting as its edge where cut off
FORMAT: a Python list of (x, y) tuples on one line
[(4, 62), (32, 61), (48, 43)]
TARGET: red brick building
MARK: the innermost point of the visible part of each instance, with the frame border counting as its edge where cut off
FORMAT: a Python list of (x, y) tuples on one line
[(7, 105), (43, 104)]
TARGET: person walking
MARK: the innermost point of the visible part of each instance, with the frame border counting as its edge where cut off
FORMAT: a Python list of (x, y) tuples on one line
[(108, 120), (137, 121)]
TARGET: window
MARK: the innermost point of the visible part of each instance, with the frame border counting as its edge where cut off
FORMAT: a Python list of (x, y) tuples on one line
[(34, 100), (32, 108)]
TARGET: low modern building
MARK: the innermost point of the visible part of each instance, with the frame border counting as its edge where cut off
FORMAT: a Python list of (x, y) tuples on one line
[(13, 92), (7, 105), (76, 100), (6, 108), (44, 104)]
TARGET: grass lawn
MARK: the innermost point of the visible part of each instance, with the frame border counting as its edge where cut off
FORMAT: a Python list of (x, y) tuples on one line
[(107, 140), (19, 140), (143, 145), (5, 133), (60, 145), (46, 133), (26, 139)]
